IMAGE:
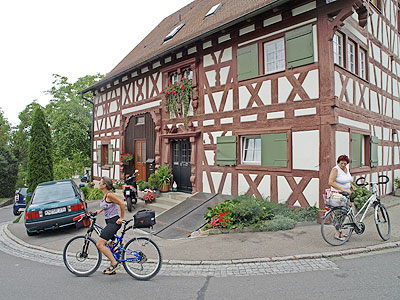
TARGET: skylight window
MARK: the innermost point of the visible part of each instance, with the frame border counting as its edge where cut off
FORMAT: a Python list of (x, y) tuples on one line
[(173, 32), (213, 9)]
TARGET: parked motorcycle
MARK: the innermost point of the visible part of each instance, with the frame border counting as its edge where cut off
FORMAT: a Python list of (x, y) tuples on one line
[(130, 191)]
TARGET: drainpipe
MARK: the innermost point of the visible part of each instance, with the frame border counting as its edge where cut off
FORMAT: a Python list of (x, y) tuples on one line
[(91, 135)]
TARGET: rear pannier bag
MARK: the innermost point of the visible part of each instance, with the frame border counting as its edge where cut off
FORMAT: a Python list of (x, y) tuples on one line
[(144, 218)]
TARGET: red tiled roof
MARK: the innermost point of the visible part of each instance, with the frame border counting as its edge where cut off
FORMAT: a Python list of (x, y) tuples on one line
[(193, 15)]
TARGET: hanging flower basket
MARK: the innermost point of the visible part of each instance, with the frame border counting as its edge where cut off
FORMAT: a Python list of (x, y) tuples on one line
[(126, 158), (178, 97)]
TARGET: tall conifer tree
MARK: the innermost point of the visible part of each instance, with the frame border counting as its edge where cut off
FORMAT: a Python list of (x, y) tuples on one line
[(40, 162)]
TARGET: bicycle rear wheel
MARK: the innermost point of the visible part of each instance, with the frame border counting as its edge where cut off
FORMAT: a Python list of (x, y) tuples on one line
[(142, 258), (337, 223), (81, 256), (382, 221)]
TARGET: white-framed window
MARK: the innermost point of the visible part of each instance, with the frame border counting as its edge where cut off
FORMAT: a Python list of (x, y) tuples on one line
[(274, 56), (351, 57), (338, 49), (363, 64), (251, 150)]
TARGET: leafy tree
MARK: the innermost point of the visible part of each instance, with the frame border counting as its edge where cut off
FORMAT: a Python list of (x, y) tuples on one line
[(71, 124), (40, 163), (5, 130), (20, 141), (8, 172)]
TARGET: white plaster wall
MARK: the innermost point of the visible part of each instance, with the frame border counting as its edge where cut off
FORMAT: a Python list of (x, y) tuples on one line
[(227, 55), (284, 190), (211, 77), (311, 192), (396, 110), (229, 101), (380, 161), (217, 99), (207, 105), (215, 135), (227, 189), (396, 155), (311, 84), (265, 92), (374, 102), (224, 72), (305, 145), (338, 85), (284, 89), (244, 97), (207, 60), (265, 186), (206, 185), (342, 143), (349, 89), (113, 106), (216, 178), (243, 186), (210, 157), (95, 173)]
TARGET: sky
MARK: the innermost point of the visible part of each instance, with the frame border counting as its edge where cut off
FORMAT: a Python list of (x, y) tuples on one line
[(70, 38)]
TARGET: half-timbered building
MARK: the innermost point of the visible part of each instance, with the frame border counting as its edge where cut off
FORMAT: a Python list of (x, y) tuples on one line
[(280, 89)]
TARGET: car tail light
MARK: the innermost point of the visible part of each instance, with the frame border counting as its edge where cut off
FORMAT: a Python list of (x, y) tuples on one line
[(32, 215), (77, 206)]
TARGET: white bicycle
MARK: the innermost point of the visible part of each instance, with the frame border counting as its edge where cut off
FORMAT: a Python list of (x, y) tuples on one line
[(339, 222)]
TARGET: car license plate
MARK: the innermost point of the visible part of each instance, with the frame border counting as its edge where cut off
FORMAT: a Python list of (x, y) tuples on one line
[(128, 193), (55, 211)]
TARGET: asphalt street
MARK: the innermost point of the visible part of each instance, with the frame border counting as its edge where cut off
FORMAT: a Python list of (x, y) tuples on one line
[(366, 276)]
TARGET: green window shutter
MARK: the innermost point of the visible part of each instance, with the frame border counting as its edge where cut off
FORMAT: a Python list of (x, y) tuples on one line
[(110, 154), (299, 47), (274, 150), (374, 151), (247, 62), (99, 156), (226, 150), (356, 149)]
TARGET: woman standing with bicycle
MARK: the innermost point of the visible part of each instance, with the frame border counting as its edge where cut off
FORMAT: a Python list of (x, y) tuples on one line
[(109, 204), (340, 180)]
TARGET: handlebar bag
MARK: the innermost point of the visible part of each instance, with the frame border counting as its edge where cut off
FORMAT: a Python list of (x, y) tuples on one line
[(144, 218)]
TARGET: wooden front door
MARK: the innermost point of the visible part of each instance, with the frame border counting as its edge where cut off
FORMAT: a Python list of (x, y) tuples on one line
[(140, 159), (181, 169)]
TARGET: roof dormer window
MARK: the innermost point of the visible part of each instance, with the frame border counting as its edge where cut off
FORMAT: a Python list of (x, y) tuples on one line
[(213, 9), (173, 32)]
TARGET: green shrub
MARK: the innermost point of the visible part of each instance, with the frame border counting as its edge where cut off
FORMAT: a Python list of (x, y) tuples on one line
[(248, 210), (154, 181), (142, 185), (360, 196), (94, 194), (279, 222)]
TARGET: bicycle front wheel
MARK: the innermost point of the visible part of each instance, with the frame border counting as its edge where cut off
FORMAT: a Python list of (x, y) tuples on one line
[(382, 221), (142, 258), (81, 256), (337, 226)]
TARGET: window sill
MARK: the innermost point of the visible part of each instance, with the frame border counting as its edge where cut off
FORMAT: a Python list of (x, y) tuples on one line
[(362, 169), (105, 167), (261, 168)]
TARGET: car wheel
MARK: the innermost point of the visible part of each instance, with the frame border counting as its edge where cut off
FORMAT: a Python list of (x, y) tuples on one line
[(17, 213)]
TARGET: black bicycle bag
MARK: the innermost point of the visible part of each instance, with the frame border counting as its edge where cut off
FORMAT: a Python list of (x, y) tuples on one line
[(144, 218)]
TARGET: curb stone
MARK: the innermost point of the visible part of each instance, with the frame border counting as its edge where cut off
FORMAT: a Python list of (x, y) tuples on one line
[(346, 252)]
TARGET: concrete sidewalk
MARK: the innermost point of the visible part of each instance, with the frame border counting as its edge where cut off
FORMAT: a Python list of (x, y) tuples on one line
[(304, 241)]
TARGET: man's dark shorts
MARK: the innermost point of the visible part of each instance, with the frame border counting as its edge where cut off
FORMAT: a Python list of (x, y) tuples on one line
[(111, 228)]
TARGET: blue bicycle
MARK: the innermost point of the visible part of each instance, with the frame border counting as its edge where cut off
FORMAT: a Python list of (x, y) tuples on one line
[(140, 256)]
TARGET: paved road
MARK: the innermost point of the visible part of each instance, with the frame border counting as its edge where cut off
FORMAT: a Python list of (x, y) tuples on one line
[(365, 276)]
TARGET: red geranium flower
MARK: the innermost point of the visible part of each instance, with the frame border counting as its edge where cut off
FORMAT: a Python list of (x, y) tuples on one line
[(221, 214), (224, 223)]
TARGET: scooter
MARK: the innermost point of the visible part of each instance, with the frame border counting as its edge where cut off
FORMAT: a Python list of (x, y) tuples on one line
[(130, 191)]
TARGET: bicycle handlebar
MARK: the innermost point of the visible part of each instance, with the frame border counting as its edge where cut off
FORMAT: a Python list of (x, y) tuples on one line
[(371, 183)]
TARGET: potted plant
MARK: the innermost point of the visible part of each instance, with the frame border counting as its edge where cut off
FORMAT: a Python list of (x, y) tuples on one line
[(149, 196), (126, 158), (119, 184), (397, 186), (164, 174), (178, 98)]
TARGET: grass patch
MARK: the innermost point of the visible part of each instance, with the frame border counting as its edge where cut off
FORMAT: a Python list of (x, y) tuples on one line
[(17, 219), (4, 199)]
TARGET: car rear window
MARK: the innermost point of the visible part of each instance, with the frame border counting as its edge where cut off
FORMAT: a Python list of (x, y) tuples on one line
[(23, 191), (53, 192)]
